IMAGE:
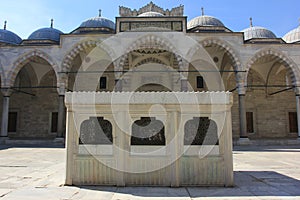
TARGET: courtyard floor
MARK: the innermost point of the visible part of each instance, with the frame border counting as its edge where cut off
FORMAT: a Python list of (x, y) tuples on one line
[(268, 172)]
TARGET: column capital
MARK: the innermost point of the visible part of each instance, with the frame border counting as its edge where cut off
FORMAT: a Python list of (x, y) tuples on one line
[(61, 88), (241, 88), (297, 91), (183, 68), (6, 91), (118, 85)]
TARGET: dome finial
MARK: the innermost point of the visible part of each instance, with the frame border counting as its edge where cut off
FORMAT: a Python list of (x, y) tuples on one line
[(151, 5), (5, 23), (251, 22), (202, 10), (100, 12), (51, 26)]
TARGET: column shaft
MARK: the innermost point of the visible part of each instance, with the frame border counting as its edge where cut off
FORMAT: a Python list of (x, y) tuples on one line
[(242, 111), (61, 116), (5, 112), (298, 113), (118, 85), (184, 85)]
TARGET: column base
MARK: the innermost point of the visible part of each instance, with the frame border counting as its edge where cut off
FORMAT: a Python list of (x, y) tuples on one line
[(3, 140), (59, 140), (244, 142)]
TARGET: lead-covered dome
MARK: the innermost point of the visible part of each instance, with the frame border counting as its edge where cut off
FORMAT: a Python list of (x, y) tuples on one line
[(151, 14), (9, 37), (98, 22), (46, 34), (257, 32), (96, 25), (292, 36), (204, 20)]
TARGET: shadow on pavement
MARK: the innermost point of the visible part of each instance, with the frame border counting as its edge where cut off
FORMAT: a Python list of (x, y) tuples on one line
[(247, 184)]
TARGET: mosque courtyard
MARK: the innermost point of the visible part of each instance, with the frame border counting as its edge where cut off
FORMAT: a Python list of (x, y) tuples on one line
[(261, 172)]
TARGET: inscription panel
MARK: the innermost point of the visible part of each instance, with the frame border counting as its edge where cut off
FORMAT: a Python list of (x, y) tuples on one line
[(151, 25)]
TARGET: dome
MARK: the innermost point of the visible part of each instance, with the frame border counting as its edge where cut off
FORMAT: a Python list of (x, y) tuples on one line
[(46, 34), (204, 20), (151, 14), (98, 22), (257, 32), (9, 37), (292, 36)]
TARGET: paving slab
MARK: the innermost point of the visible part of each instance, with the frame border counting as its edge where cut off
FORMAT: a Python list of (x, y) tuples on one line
[(264, 172)]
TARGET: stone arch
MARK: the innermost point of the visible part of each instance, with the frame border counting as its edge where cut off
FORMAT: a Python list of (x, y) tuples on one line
[(24, 59), (76, 49), (2, 76), (150, 40), (283, 59), (229, 50), (79, 47)]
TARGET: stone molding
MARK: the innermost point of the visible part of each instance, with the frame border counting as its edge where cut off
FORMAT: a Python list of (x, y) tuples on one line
[(151, 7), (90, 98)]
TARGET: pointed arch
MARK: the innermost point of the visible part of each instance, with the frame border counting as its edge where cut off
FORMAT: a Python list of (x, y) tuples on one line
[(24, 59), (76, 49), (291, 66), (2, 76), (90, 52), (150, 41), (80, 47), (229, 50)]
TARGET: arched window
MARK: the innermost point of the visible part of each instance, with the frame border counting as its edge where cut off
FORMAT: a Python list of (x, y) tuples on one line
[(148, 131), (201, 131), (96, 130)]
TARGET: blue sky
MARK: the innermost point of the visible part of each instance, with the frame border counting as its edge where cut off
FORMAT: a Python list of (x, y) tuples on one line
[(24, 17)]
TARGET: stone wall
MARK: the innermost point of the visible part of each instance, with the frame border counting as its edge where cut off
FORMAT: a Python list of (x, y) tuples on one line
[(270, 112), (34, 112)]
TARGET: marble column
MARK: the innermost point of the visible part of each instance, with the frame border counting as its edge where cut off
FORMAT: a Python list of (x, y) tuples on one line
[(184, 85), (5, 112), (118, 85), (183, 68), (242, 107), (61, 116), (298, 112), (243, 119), (118, 67)]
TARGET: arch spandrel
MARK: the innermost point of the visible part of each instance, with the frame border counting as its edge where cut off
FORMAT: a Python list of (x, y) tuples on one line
[(229, 50), (291, 67), (26, 58)]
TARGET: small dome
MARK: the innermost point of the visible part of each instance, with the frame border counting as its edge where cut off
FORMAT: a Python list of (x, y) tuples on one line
[(258, 32), (98, 22), (292, 36), (9, 37), (46, 34), (151, 14), (204, 20)]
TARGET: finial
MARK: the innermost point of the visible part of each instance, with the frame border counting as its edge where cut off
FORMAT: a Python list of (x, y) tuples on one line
[(202, 10), (100, 12), (5, 22), (51, 23), (151, 5), (251, 22)]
